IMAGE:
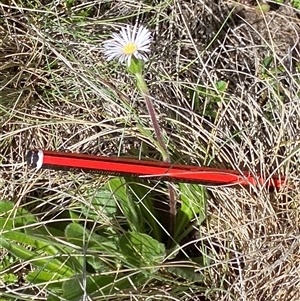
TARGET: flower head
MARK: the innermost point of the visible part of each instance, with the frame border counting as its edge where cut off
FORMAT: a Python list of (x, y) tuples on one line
[(131, 41)]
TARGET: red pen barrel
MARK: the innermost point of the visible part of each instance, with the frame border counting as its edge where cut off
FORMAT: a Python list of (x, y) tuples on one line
[(146, 169)]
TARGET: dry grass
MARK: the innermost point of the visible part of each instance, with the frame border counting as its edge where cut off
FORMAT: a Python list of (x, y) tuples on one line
[(54, 96)]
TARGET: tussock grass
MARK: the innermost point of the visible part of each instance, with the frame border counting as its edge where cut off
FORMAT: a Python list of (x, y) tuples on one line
[(57, 92)]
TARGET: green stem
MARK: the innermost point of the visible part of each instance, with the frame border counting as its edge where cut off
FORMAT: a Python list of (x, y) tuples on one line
[(144, 89), (166, 158)]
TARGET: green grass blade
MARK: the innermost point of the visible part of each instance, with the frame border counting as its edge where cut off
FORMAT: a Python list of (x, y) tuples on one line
[(51, 264), (128, 206), (193, 204)]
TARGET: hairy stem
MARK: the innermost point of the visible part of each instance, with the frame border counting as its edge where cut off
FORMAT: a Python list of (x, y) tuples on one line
[(166, 158)]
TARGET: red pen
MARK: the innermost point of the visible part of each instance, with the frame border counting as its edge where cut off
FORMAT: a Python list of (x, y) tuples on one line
[(147, 169)]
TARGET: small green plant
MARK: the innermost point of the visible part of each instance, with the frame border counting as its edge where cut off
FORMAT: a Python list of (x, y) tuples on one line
[(270, 74), (59, 259), (130, 243), (8, 261), (208, 100), (295, 3), (262, 8)]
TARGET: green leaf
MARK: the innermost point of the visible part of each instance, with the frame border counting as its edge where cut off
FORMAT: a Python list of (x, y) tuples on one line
[(267, 62), (41, 245), (129, 208), (262, 8), (21, 227), (193, 205), (95, 243), (80, 236), (221, 86), (39, 240), (53, 298), (12, 217), (53, 248), (136, 66), (49, 280), (140, 192), (100, 285), (102, 205), (10, 278), (140, 250), (49, 264), (73, 291), (186, 273)]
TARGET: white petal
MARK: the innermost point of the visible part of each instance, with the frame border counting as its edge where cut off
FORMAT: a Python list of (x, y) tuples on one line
[(134, 34)]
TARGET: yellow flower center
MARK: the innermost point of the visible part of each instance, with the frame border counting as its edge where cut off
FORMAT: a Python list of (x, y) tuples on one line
[(129, 48)]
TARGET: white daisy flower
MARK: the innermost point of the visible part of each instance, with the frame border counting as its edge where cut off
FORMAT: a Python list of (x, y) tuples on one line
[(131, 41)]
